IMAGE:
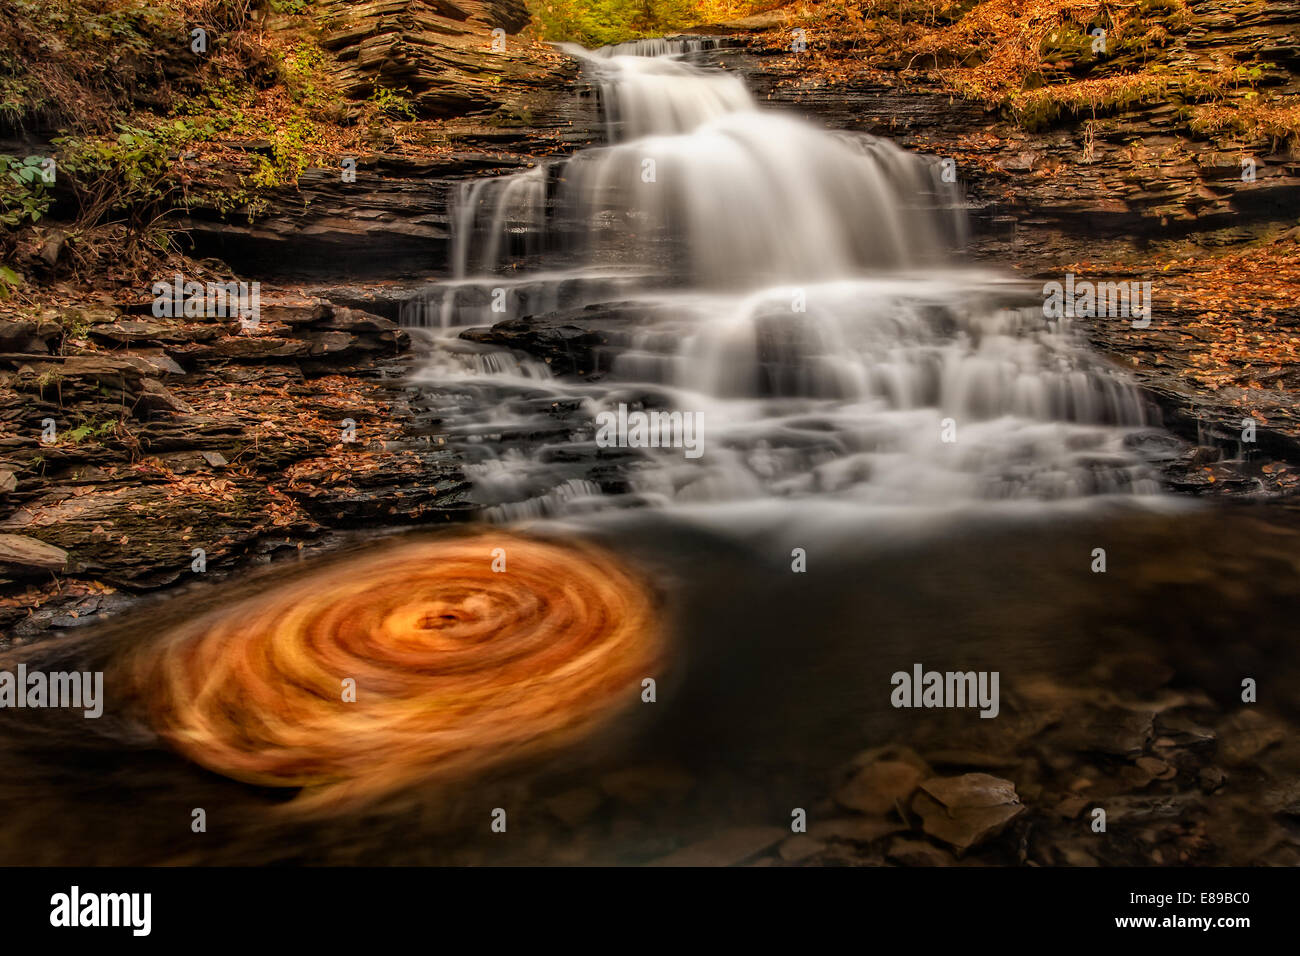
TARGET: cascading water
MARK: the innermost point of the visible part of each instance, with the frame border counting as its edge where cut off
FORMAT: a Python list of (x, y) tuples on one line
[(657, 93), (789, 290)]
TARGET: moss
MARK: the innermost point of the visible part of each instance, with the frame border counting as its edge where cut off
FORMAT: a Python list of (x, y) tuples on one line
[(1041, 108), (1253, 119)]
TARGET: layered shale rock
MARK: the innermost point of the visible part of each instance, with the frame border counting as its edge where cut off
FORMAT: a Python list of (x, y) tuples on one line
[(140, 450), (444, 53), (490, 103)]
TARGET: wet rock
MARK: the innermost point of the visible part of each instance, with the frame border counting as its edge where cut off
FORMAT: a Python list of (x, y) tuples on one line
[(1212, 778), (329, 343), (141, 535), (1247, 734), (291, 329), (918, 853), (354, 321), (891, 752), (963, 829), (1284, 799), (1077, 852), (853, 829), (158, 332), (800, 847), (442, 54), (1183, 731), (1135, 778), (971, 790), (573, 341), (1157, 768), (568, 350), (188, 433), (52, 248), (729, 848), (1120, 731), (241, 348), (81, 604), (153, 362), (966, 811), (296, 313), (1140, 673), (1133, 809), (1071, 807), (188, 461), (880, 787)]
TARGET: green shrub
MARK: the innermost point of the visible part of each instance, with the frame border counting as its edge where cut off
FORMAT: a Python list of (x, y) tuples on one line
[(24, 197), (133, 175)]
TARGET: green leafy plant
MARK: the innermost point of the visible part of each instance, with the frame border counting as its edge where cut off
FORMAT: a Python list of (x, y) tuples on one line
[(134, 174), (10, 281), (93, 429), (291, 152), (393, 101), (303, 68), (24, 197)]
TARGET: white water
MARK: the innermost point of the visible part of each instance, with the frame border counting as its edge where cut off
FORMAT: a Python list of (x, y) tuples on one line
[(793, 286)]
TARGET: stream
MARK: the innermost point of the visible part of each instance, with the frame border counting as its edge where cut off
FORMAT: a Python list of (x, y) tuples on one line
[(822, 447)]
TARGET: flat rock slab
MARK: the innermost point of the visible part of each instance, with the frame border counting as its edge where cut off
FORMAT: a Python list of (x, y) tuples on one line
[(967, 810), (971, 790), (966, 828), (20, 554)]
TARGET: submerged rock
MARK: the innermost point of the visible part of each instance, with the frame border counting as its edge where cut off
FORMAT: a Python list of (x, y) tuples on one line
[(965, 811), (728, 848), (880, 787)]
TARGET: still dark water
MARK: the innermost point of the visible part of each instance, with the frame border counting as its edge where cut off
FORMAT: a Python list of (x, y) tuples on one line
[(773, 681)]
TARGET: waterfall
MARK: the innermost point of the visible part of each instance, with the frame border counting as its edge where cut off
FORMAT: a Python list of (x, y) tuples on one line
[(642, 96), (795, 287), (749, 196), (701, 182), (651, 47)]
